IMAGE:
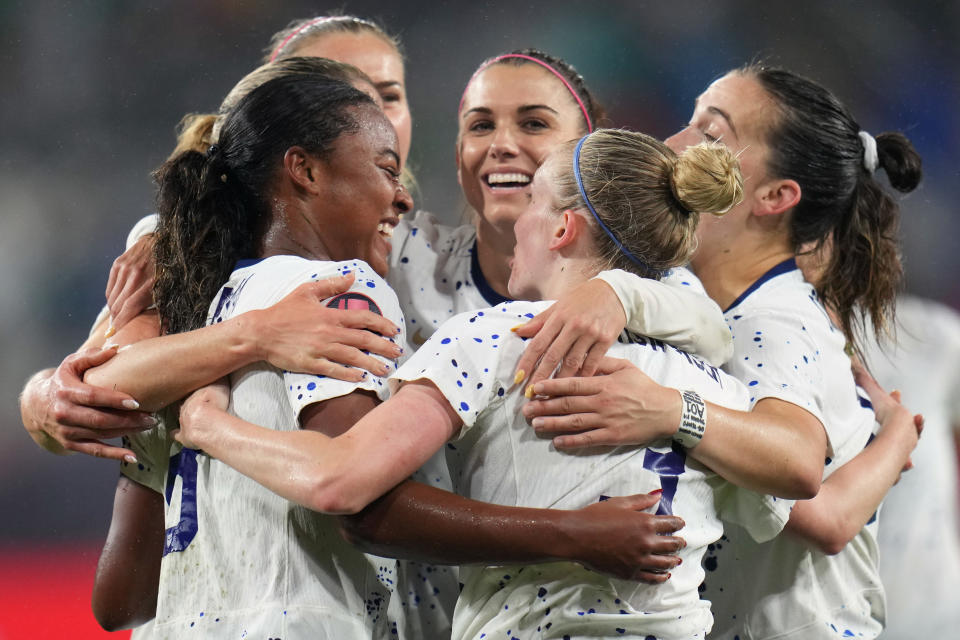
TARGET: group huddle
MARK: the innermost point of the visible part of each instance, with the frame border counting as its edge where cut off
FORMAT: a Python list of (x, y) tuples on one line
[(621, 403)]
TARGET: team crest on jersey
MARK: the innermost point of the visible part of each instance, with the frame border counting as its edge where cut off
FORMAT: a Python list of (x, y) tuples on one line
[(354, 301)]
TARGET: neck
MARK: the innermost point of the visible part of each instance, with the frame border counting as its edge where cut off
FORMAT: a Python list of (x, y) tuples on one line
[(494, 252), (567, 275), (727, 273), (282, 237)]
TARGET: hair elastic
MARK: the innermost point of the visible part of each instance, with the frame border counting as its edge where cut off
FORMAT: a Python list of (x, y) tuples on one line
[(296, 32), (871, 159), (583, 108), (583, 194)]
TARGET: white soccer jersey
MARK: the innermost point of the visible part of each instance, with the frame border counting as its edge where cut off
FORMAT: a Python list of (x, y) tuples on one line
[(499, 459), (919, 533), (240, 561), (786, 347)]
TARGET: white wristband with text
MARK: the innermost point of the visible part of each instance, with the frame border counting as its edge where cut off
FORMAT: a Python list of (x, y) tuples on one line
[(693, 419)]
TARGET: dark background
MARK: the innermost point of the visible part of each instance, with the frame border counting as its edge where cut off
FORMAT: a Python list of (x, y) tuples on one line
[(91, 92)]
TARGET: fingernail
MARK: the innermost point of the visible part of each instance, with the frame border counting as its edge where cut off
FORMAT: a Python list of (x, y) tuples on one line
[(529, 392), (149, 421), (655, 492), (130, 459), (110, 331), (679, 561), (514, 329), (130, 403), (519, 376), (536, 423)]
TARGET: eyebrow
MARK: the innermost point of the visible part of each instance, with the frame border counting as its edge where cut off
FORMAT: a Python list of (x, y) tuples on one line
[(723, 114), (521, 109), (385, 84)]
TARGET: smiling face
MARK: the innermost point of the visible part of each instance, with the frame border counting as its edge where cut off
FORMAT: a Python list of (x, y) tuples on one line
[(381, 62), (734, 110), (361, 197), (511, 118)]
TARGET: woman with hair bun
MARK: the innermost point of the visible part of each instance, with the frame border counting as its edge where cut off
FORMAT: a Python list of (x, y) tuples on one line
[(612, 199), (809, 179)]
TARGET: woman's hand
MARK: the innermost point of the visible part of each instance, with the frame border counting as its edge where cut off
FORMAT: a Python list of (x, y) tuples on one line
[(301, 333), (894, 418), (574, 333), (620, 406), (199, 412), (64, 415), (618, 538), (130, 285)]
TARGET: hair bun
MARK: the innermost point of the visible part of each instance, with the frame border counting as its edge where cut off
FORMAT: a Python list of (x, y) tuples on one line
[(900, 161), (706, 179)]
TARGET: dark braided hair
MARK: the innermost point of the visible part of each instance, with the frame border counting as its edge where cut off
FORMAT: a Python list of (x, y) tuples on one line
[(814, 140), (214, 206)]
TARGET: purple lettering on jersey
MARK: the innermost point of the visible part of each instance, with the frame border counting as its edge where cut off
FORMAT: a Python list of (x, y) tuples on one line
[(184, 466), (668, 466)]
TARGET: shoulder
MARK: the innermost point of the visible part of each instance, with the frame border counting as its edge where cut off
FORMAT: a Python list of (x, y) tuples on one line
[(147, 224)]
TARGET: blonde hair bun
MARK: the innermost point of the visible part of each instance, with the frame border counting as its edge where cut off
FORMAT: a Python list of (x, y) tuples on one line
[(706, 179)]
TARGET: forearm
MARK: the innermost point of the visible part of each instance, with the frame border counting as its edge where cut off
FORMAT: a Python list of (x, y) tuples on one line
[(850, 496), (128, 573), (159, 371), (420, 522), (766, 453), (675, 314)]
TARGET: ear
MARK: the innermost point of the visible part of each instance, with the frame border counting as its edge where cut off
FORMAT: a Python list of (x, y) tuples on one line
[(569, 228), (303, 169), (775, 197)]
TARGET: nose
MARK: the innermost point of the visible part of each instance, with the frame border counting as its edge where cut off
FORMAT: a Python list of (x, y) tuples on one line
[(402, 201), (503, 143), (682, 139)]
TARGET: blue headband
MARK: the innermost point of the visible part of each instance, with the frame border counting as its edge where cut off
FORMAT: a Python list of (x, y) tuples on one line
[(583, 194)]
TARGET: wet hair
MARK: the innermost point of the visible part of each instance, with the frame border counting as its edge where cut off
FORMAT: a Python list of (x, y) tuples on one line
[(214, 206), (594, 109), (649, 198), (197, 131), (300, 33), (813, 139)]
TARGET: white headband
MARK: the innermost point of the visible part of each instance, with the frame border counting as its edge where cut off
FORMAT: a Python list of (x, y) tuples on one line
[(870, 158)]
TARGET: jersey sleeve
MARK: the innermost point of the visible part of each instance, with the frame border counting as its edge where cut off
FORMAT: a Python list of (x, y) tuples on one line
[(145, 225), (777, 358), (675, 310), (462, 359), (762, 516), (368, 293), (152, 449)]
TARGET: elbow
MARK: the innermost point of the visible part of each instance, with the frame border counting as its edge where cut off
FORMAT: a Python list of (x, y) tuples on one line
[(111, 618), (332, 494), (806, 483), (833, 542)]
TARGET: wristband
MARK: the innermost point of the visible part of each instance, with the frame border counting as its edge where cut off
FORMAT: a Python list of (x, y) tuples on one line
[(693, 419)]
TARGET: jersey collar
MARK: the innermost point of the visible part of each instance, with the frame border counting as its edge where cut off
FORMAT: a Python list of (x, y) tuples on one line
[(788, 265), (492, 297)]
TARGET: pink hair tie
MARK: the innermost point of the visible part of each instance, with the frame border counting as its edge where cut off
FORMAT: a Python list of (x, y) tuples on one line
[(583, 108), (312, 23)]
